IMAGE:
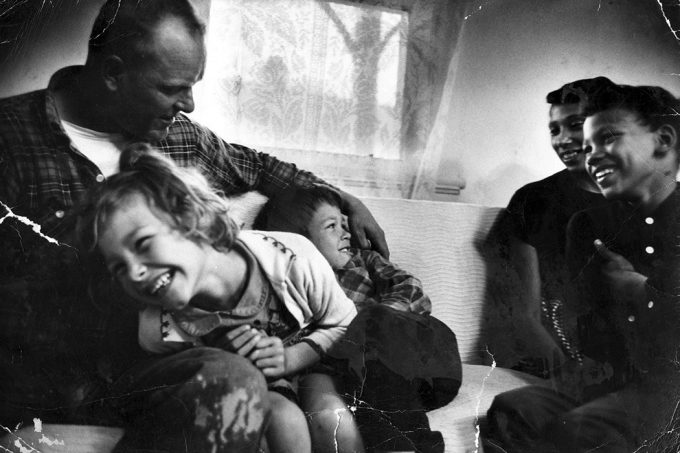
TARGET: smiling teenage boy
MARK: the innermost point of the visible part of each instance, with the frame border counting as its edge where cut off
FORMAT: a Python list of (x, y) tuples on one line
[(623, 261), (536, 222)]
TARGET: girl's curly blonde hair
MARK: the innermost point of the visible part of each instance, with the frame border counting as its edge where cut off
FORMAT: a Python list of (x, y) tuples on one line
[(182, 195)]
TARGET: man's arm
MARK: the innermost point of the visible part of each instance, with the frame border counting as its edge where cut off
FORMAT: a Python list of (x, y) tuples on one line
[(396, 287), (10, 186), (366, 233), (537, 340), (238, 169)]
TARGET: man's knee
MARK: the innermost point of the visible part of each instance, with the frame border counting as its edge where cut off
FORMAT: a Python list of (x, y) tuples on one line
[(206, 398), (227, 386), (518, 417), (218, 366), (601, 425)]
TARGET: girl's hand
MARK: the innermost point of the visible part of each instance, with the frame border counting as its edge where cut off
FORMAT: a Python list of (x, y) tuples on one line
[(242, 340), (269, 356)]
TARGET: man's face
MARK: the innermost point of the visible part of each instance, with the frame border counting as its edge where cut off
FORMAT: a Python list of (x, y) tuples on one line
[(153, 90), (620, 155), (328, 232), (566, 135)]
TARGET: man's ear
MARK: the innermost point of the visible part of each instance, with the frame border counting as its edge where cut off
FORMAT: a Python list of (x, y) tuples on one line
[(112, 69), (667, 140)]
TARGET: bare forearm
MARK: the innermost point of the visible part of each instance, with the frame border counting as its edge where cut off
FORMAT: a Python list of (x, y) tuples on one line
[(525, 260), (300, 356), (366, 232)]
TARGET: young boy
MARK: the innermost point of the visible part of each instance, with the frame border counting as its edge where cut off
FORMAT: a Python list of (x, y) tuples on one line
[(624, 261), (167, 240), (401, 361)]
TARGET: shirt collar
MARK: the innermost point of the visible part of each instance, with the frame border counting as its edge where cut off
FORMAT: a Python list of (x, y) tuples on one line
[(670, 206), (59, 79), (354, 262), (199, 322)]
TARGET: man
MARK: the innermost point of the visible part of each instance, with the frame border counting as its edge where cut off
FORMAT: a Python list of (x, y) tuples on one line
[(624, 261), (64, 345)]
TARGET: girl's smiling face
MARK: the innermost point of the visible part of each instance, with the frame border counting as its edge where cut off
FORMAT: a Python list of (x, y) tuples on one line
[(151, 259)]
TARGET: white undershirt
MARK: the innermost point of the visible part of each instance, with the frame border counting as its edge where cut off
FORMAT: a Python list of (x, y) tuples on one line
[(102, 148)]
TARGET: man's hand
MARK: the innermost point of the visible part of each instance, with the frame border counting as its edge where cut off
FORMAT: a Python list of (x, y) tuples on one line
[(366, 233), (625, 283), (269, 357)]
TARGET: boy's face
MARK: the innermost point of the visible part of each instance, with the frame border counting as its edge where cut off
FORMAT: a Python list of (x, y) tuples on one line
[(328, 232), (621, 155), (566, 134), (154, 263)]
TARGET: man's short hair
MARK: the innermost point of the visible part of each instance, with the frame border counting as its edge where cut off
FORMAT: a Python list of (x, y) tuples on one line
[(655, 106), (123, 26), (577, 91)]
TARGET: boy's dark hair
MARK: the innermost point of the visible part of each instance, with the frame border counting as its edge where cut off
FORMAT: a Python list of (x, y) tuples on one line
[(292, 210), (182, 195), (577, 91), (123, 27), (654, 105)]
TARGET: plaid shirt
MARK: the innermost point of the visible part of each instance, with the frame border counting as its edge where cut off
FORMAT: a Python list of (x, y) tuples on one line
[(43, 175), (59, 340), (368, 278)]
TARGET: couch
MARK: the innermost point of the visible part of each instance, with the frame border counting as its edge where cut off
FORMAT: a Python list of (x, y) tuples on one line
[(472, 287)]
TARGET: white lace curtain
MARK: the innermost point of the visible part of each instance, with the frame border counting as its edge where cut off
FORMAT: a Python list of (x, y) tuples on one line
[(357, 92)]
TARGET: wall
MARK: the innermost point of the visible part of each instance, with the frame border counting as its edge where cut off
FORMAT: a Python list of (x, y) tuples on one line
[(513, 52), (50, 35)]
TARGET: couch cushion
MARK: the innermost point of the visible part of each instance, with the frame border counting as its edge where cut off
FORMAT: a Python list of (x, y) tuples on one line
[(458, 420), (440, 243)]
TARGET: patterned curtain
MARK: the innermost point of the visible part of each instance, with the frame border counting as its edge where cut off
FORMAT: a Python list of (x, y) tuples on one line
[(349, 90)]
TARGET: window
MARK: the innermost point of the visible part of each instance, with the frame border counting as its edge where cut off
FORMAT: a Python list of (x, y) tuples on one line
[(342, 89), (306, 75)]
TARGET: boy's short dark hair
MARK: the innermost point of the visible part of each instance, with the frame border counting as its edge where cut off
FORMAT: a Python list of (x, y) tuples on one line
[(655, 106), (577, 91), (292, 210)]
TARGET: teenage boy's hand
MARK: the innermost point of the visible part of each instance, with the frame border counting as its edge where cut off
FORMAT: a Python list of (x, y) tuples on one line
[(625, 283), (269, 356), (366, 233)]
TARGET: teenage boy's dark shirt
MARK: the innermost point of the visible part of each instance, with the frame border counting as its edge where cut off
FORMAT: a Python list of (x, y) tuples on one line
[(638, 339), (538, 214)]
